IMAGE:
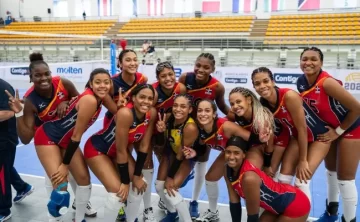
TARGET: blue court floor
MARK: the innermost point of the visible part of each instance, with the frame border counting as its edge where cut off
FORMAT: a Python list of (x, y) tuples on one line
[(27, 162)]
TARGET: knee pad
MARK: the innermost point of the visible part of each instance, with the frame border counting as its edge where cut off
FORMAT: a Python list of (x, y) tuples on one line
[(287, 179), (59, 203), (173, 200), (113, 202)]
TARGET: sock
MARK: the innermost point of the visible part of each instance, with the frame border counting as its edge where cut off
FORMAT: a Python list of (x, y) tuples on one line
[(82, 197), (304, 187), (72, 183), (287, 179), (48, 185), (112, 206), (212, 190), (200, 171), (148, 175), (349, 196), (253, 218), (133, 204), (159, 186), (179, 204), (333, 187)]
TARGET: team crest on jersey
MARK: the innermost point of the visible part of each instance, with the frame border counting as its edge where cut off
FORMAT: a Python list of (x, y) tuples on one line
[(208, 91), (60, 95), (317, 89), (146, 122), (283, 108)]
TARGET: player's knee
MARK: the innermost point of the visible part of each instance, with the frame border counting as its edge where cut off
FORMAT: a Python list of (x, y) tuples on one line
[(159, 185), (174, 200), (287, 179)]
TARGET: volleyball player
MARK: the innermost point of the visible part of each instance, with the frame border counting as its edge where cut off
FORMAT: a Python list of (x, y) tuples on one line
[(133, 124), (57, 142), (201, 85), (341, 111), (46, 100), (244, 178), (214, 133), (181, 132), (304, 152)]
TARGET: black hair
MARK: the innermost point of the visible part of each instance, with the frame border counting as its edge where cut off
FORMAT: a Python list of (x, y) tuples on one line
[(208, 56), (214, 127), (321, 55), (140, 87), (261, 69), (123, 44), (238, 142), (94, 73), (36, 58), (162, 65)]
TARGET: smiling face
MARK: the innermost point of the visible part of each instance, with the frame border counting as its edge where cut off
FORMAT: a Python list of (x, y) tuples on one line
[(206, 113), (239, 104), (310, 62), (167, 78), (101, 84), (234, 156), (263, 84), (181, 108), (41, 77), (129, 63), (143, 100), (203, 68)]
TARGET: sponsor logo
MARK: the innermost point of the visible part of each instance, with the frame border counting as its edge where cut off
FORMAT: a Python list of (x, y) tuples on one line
[(236, 80), (286, 78), (19, 71), (352, 81), (69, 70), (178, 72)]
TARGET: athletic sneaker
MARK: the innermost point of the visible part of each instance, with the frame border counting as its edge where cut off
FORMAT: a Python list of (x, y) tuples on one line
[(171, 217), (188, 178), (162, 205), (343, 219), (209, 216), (21, 195), (5, 217), (148, 215), (194, 209), (89, 211), (121, 217), (326, 217)]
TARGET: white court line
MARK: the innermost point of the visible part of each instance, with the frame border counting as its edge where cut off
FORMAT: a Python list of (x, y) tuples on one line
[(33, 139), (155, 194)]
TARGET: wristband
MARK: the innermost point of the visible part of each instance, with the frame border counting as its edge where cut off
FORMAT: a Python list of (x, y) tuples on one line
[(339, 131), (140, 161), (123, 169), (21, 113), (70, 150), (267, 159), (174, 168)]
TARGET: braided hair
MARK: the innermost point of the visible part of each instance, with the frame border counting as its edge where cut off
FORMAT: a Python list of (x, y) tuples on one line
[(261, 114), (315, 49), (208, 56)]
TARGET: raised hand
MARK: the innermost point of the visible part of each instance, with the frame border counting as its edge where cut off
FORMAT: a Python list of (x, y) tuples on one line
[(160, 125), (15, 102), (122, 98)]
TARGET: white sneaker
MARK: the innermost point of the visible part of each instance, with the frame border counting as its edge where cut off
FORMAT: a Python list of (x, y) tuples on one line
[(90, 212), (149, 215), (209, 216)]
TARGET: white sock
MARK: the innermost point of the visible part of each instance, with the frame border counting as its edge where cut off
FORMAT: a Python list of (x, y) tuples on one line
[(48, 185), (212, 190), (72, 183), (133, 204), (199, 179), (112, 206), (148, 174), (180, 205), (333, 187), (349, 196), (82, 197), (159, 186), (287, 179), (304, 187)]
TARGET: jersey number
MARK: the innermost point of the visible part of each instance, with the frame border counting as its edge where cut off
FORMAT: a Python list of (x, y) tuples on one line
[(312, 104)]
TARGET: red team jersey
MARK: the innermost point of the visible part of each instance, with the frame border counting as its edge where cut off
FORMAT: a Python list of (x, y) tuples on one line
[(248, 125), (197, 93), (46, 107), (104, 140), (327, 108), (215, 140), (284, 121), (164, 103), (59, 131)]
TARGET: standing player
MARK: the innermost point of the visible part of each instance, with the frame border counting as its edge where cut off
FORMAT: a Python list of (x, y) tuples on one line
[(214, 133), (244, 178), (46, 100), (181, 132), (66, 133), (201, 85), (341, 111), (290, 111), (133, 124)]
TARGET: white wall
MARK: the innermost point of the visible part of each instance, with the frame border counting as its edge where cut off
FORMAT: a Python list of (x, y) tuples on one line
[(29, 8)]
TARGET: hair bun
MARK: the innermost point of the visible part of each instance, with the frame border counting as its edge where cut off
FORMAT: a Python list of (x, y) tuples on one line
[(123, 43), (36, 56)]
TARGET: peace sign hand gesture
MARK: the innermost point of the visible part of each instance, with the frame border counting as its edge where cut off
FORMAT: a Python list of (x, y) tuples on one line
[(15, 102), (122, 98), (160, 125)]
